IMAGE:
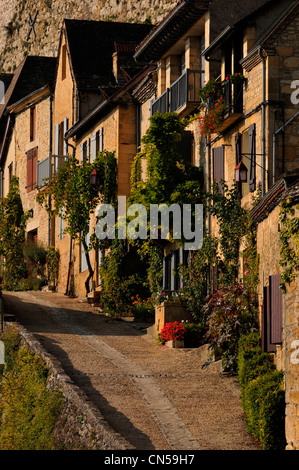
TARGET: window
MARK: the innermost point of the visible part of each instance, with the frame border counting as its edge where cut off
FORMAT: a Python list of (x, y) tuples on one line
[(246, 160), (63, 62), (85, 150), (31, 169), (32, 123)]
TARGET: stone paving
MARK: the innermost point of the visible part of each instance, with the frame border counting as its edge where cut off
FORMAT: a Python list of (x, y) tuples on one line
[(155, 397)]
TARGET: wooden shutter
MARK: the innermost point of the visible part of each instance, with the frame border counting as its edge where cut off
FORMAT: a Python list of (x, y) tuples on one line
[(252, 156), (101, 139), (238, 149), (65, 128), (34, 167), (218, 164), (276, 309), (29, 171), (93, 147)]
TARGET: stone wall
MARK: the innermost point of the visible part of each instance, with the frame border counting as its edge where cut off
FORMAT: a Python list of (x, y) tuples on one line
[(80, 425), (15, 27)]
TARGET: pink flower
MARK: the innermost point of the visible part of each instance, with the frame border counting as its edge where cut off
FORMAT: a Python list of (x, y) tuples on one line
[(246, 272)]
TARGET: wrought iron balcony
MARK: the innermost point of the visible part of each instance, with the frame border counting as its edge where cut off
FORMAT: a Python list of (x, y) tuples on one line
[(233, 98), (182, 97), (47, 168)]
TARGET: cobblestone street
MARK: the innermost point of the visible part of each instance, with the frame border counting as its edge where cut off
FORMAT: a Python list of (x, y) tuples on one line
[(154, 397)]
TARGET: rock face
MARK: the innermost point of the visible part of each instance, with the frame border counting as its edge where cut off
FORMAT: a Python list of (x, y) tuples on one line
[(18, 38)]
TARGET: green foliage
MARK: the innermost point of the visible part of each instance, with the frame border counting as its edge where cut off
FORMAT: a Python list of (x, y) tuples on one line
[(262, 393), (251, 361), (28, 410), (168, 171), (265, 410), (289, 238), (196, 276), (75, 199), (12, 237), (232, 221), (35, 256), (53, 259), (230, 313), (120, 284), (11, 340), (194, 334)]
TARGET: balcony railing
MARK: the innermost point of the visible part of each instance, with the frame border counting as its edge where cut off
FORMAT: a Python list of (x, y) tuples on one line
[(47, 168), (233, 96), (182, 95), (184, 91)]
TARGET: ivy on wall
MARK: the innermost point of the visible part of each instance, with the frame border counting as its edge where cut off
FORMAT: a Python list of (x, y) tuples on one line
[(289, 238)]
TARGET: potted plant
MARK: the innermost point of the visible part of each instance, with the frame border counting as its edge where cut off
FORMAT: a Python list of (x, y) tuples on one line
[(172, 334)]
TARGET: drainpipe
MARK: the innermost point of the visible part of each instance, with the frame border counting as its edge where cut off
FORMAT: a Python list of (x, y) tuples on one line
[(263, 120), (50, 153), (281, 129)]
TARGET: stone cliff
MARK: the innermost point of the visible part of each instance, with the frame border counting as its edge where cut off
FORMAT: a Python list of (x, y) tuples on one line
[(18, 38)]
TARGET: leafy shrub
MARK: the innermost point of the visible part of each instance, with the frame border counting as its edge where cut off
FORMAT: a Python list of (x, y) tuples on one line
[(53, 258), (230, 313), (251, 361), (194, 335), (262, 394), (28, 410), (265, 410), (11, 340)]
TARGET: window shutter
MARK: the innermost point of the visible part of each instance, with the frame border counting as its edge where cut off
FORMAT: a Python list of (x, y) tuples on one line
[(65, 128), (56, 146), (93, 144), (87, 149), (276, 309), (218, 164), (101, 139), (82, 152), (238, 142), (34, 168), (252, 156), (29, 171)]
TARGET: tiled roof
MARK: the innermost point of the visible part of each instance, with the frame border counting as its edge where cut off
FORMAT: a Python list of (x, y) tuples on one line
[(92, 44), (33, 73), (286, 187)]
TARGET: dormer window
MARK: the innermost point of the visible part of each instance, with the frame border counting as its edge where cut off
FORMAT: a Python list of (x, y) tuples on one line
[(32, 123)]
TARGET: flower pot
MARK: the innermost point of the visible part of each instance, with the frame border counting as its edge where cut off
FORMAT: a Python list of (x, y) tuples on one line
[(175, 343)]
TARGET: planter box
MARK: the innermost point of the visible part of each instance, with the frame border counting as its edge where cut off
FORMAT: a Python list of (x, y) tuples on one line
[(170, 312), (175, 343)]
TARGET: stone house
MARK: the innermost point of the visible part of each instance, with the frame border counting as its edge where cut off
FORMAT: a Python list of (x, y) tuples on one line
[(260, 132), (94, 61), (26, 115)]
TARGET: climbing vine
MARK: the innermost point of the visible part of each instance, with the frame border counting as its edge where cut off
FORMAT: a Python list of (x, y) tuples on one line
[(75, 199), (289, 238)]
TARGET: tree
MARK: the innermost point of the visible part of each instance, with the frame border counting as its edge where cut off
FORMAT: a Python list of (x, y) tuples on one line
[(74, 199), (12, 237)]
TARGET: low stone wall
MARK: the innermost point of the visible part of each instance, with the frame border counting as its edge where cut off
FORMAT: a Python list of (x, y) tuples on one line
[(80, 425)]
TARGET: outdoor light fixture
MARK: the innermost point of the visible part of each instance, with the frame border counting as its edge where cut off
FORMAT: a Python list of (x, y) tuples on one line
[(241, 173), (94, 178), (30, 213)]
